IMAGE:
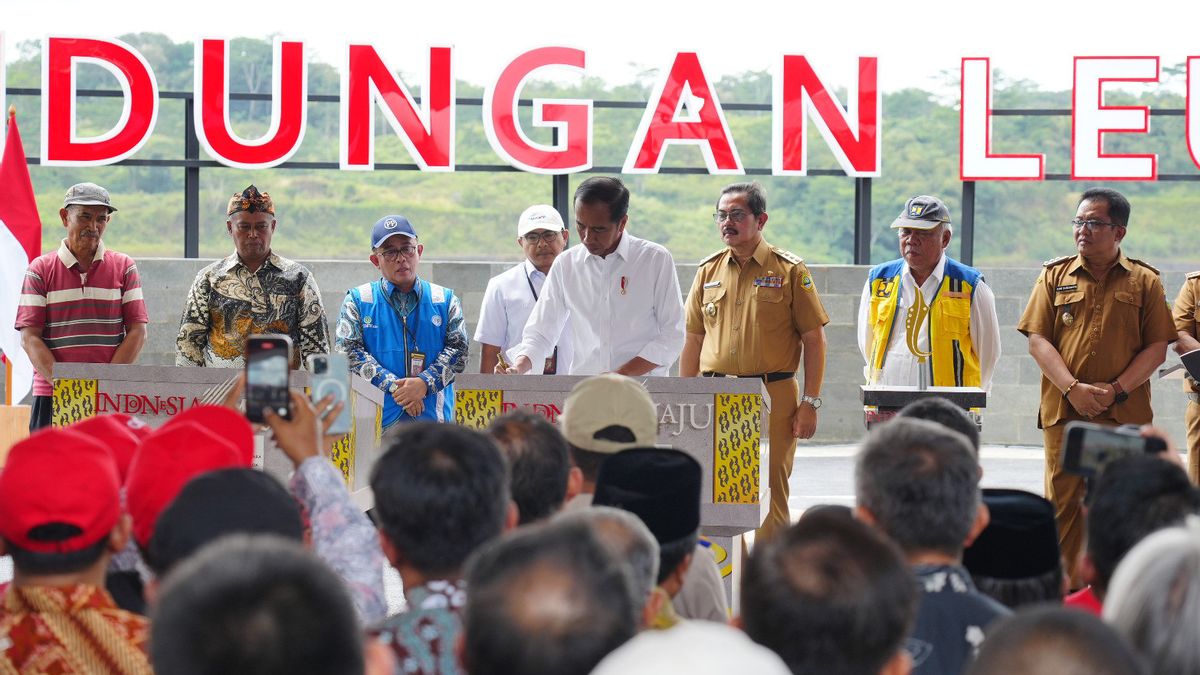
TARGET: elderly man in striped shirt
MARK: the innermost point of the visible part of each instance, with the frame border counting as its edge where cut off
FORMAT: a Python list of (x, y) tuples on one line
[(81, 303)]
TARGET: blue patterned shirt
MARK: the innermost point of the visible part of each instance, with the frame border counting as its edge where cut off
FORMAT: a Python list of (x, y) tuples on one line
[(423, 637)]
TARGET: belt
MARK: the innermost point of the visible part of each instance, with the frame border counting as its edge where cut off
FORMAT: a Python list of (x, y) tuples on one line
[(1193, 397), (766, 377)]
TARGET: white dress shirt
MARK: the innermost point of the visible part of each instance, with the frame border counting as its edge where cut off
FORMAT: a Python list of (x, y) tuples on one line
[(624, 305), (900, 367), (507, 303)]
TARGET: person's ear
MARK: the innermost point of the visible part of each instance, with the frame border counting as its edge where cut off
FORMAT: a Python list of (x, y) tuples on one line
[(150, 591), (982, 517), (654, 605), (574, 484), (862, 513), (377, 658), (900, 664), (393, 555), (762, 220), (119, 537), (374, 260), (513, 517), (1087, 569)]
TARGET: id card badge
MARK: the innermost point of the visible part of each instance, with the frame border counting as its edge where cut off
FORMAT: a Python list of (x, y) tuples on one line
[(416, 363), (551, 366)]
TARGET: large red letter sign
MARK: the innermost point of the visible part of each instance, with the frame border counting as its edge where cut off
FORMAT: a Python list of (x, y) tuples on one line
[(572, 150), (976, 159), (288, 107), (799, 93), (1193, 98), (428, 135), (61, 145), (1091, 119), (665, 122)]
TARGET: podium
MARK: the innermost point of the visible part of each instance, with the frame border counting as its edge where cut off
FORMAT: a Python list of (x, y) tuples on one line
[(882, 402), (154, 394), (721, 422)]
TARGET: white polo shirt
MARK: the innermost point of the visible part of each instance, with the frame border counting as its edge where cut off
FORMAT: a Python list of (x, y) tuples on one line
[(624, 305), (507, 303)]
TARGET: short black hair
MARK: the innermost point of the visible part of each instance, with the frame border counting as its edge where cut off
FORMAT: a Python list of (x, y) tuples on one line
[(1118, 205), (587, 461), (538, 461), (441, 491), (548, 599), (255, 604), (672, 553), (945, 413), (38, 563), (920, 482), (1050, 640), (830, 596), (756, 195), (1132, 498), (1017, 593), (607, 190)]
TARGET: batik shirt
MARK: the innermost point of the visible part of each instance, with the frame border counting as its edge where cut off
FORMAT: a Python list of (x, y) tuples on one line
[(952, 620), (70, 629), (423, 637), (227, 302), (439, 373), (342, 535)]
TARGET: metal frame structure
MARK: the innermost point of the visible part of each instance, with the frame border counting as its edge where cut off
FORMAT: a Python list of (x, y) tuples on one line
[(560, 183)]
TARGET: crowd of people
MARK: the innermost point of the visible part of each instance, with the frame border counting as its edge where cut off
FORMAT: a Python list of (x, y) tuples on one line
[(569, 549), (576, 548)]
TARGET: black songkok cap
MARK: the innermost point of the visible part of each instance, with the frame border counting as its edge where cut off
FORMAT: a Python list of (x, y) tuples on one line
[(1020, 542), (217, 503), (660, 486)]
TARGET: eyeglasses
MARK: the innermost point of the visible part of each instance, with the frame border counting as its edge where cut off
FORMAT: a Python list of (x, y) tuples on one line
[(734, 216), (1091, 225), (548, 236), (393, 254)]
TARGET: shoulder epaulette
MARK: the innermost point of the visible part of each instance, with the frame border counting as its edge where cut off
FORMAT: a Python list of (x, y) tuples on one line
[(711, 257), (1193, 275), (788, 256), (1052, 263), (1148, 266)]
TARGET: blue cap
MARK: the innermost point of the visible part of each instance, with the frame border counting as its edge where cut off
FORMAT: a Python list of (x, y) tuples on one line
[(389, 225)]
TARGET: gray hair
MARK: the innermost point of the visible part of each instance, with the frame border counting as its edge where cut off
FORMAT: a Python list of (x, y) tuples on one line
[(920, 482), (1154, 598), (627, 538)]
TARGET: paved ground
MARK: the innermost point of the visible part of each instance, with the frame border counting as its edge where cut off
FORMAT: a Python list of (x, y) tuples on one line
[(824, 474)]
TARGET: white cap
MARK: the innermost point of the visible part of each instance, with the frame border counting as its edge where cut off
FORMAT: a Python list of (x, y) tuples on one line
[(609, 400), (696, 647), (539, 217)]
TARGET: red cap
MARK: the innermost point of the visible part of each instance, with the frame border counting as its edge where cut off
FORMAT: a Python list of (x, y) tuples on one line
[(227, 423), (165, 462), (114, 433), (59, 478)]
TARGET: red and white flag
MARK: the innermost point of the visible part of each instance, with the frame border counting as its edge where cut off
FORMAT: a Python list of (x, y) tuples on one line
[(20, 242)]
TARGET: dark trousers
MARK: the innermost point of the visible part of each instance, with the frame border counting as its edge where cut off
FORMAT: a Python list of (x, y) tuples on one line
[(42, 414)]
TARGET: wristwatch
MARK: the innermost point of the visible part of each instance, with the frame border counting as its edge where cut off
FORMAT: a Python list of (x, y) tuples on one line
[(1122, 395), (814, 401)]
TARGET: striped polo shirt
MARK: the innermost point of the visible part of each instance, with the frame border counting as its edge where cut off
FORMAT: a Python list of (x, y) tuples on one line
[(82, 314)]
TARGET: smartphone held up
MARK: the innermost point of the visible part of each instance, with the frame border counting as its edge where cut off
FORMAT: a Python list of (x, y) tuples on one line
[(268, 360), (331, 376)]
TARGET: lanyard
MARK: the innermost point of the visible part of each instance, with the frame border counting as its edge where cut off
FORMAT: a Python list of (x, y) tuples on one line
[(387, 297), (529, 280)]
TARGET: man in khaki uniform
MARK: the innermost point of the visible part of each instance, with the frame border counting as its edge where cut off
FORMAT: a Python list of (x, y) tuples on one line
[(753, 311), (1098, 325), (1187, 327)]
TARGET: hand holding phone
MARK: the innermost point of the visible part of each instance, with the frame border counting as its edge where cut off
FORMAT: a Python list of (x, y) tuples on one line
[(1088, 447)]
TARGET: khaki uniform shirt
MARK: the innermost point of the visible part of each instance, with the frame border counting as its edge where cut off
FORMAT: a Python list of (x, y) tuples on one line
[(752, 316), (1097, 327), (1187, 316)]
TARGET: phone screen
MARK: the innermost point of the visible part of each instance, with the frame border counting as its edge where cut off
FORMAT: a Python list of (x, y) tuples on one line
[(1091, 447), (267, 362)]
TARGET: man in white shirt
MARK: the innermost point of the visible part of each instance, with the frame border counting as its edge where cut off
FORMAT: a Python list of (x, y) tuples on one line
[(618, 293), (510, 296), (961, 325)]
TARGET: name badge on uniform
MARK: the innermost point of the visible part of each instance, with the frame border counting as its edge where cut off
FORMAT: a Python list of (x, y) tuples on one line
[(416, 363), (712, 284), (769, 282), (1064, 289)]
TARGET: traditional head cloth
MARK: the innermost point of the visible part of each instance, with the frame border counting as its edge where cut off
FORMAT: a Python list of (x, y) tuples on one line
[(251, 200)]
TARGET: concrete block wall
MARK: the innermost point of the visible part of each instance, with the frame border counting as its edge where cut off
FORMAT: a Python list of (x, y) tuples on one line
[(1010, 418)]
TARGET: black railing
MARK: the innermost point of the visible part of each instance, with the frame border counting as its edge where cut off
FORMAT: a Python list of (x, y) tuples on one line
[(560, 186)]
